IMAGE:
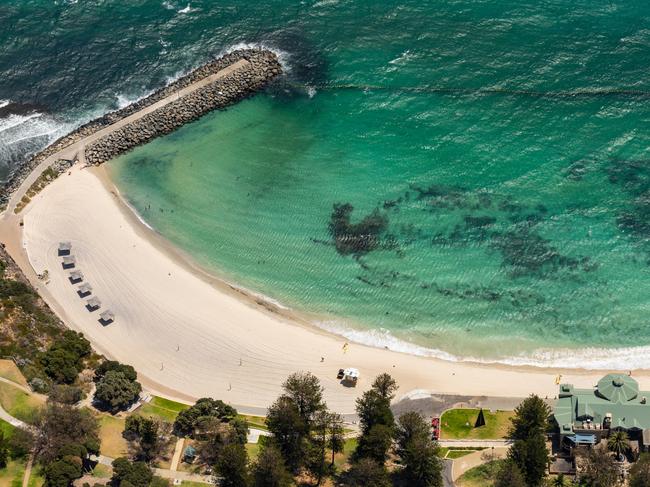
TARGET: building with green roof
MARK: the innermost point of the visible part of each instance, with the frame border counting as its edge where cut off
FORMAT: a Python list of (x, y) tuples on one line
[(585, 416)]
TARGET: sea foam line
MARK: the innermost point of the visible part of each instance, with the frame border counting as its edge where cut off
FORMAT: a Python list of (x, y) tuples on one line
[(592, 358)]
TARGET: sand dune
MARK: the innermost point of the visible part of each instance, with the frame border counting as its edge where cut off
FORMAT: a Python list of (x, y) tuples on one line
[(190, 336)]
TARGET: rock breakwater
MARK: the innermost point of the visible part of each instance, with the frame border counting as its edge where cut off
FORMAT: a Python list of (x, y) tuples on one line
[(247, 79), (262, 67)]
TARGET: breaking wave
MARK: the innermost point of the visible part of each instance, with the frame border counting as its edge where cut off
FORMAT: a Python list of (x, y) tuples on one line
[(591, 358)]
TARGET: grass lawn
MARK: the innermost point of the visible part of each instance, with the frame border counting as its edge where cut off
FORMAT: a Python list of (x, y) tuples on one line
[(253, 449), (458, 424), (165, 409), (481, 476), (257, 422), (458, 453), (13, 474), (187, 483), (9, 371), (20, 404), (348, 448), (110, 434), (36, 479), (102, 471)]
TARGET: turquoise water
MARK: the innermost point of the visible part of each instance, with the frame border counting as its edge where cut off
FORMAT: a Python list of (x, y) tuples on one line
[(497, 152)]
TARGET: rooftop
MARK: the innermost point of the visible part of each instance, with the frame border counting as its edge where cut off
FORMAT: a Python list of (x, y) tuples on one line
[(616, 400)]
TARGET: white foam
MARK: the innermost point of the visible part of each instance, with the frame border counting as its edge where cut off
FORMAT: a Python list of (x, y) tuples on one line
[(311, 91), (283, 56), (325, 3), (26, 134), (186, 10), (4, 103), (592, 358)]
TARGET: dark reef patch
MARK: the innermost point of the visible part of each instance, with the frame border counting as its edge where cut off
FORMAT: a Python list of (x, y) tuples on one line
[(527, 253), (633, 177), (356, 238)]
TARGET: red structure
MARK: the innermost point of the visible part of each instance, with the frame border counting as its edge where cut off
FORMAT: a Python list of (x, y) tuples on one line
[(435, 428)]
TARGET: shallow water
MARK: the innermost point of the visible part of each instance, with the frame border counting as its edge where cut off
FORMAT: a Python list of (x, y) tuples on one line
[(499, 151)]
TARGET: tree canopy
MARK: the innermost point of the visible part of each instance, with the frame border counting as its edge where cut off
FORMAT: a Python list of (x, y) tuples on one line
[(205, 408), (116, 392)]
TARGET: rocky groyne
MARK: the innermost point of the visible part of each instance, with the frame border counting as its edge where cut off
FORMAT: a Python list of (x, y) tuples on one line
[(262, 67)]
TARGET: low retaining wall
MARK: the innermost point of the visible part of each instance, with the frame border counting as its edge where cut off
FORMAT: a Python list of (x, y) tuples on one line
[(264, 67)]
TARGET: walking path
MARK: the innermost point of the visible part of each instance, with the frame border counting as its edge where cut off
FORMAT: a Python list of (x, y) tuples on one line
[(178, 450), (28, 470), (463, 464)]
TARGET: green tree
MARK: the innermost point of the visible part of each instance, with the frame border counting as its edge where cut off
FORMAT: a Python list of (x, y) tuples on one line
[(61, 425), (206, 407), (410, 425), (531, 456), (366, 473), (127, 473), (529, 426), (417, 452), (618, 442), (305, 390), (216, 437), (74, 342), (233, 466), (375, 444), (335, 435), (374, 409), (61, 473), (288, 428), (116, 392), (61, 365), (599, 469), (65, 394), (385, 386), (509, 475), (269, 469), (21, 442), (640, 472), (148, 437), (324, 433), (530, 418), (559, 481), (108, 365), (4, 450)]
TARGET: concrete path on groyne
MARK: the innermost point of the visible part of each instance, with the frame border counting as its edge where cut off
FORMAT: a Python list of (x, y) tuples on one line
[(77, 150)]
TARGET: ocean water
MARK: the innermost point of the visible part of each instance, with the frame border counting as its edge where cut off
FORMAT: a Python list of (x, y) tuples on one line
[(465, 178)]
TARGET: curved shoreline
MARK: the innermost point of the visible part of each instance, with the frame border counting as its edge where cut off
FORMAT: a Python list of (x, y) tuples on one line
[(591, 358), (126, 263), (159, 297)]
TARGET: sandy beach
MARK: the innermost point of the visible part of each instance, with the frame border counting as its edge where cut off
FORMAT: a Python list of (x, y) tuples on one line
[(190, 335)]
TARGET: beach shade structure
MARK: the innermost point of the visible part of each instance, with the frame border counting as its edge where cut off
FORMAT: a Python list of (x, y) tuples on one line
[(76, 277), (107, 317), (65, 248), (93, 304), (84, 290), (69, 261), (351, 376), (480, 420)]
